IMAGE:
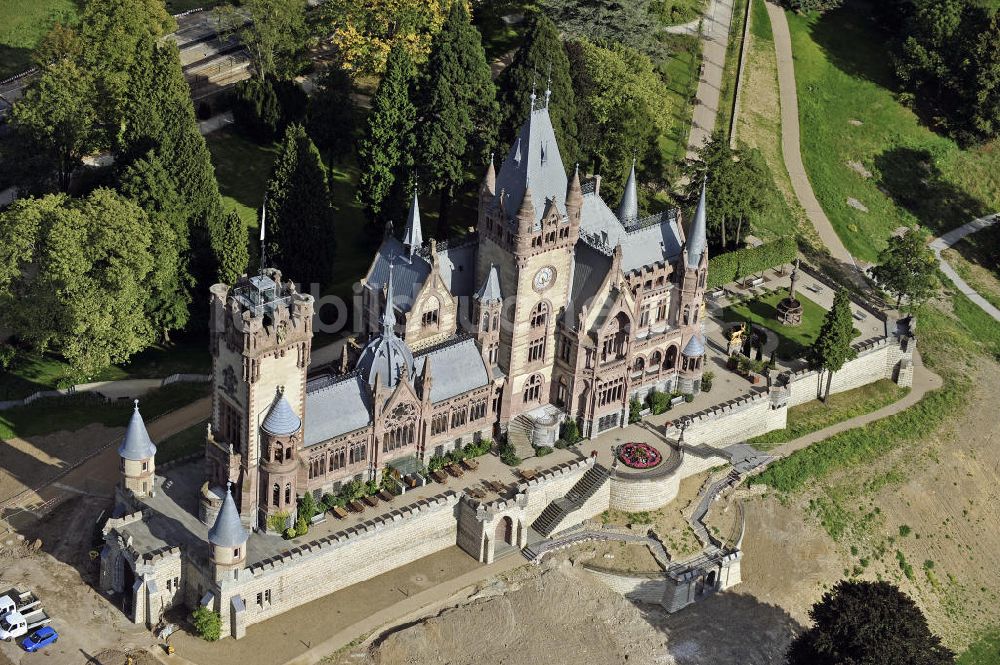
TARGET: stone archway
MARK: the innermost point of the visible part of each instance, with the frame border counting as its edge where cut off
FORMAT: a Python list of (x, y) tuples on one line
[(504, 531), (710, 581)]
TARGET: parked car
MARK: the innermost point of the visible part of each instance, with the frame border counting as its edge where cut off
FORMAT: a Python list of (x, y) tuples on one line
[(15, 624), (42, 637)]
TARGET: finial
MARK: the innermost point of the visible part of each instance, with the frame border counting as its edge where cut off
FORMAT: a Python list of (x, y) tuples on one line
[(229, 486), (534, 80), (491, 158), (136, 402), (263, 224), (548, 85)]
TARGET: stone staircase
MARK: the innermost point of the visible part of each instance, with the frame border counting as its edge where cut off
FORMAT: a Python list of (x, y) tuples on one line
[(558, 510), (519, 433)]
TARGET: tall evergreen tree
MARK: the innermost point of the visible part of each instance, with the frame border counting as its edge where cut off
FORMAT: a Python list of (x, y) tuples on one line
[(385, 154), (541, 61), (232, 250), (333, 114), (867, 623), (300, 229), (832, 347), (458, 110)]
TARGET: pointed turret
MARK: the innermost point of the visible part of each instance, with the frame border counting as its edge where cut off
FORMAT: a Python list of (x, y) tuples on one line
[(490, 179), (414, 236), (526, 213), (228, 531), (281, 419), (136, 445), (389, 316), (574, 197), (697, 238), (387, 358), (138, 463), (628, 208), (490, 290)]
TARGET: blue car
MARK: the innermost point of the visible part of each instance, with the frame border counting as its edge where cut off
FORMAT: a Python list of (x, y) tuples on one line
[(42, 637)]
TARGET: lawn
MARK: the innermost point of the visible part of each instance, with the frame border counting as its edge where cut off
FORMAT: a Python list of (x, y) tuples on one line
[(985, 651), (976, 258), (815, 415), (186, 442), (849, 113), (680, 71), (72, 413), (242, 168), (23, 23), (793, 341)]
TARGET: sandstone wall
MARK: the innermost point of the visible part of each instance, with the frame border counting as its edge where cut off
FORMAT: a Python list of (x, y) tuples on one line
[(633, 496), (638, 587)]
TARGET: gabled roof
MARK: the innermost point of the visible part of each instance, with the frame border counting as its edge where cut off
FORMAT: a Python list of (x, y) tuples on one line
[(336, 406), (490, 290), (228, 531), (533, 158), (455, 369), (589, 269), (281, 419), (456, 266), (136, 445), (647, 241)]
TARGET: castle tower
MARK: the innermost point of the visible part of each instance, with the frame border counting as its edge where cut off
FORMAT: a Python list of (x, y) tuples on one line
[(137, 454), (692, 365), (529, 225), (486, 314), (690, 313), (227, 540), (386, 358), (281, 440), (261, 339)]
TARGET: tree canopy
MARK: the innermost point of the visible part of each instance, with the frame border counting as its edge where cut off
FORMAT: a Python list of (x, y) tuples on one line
[(92, 272), (540, 61), (832, 347), (907, 267), (366, 31), (867, 623), (275, 35), (332, 113), (385, 153), (300, 222), (457, 107)]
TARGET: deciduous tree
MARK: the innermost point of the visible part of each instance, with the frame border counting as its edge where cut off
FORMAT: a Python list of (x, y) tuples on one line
[(867, 623), (832, 347), (907, 267)]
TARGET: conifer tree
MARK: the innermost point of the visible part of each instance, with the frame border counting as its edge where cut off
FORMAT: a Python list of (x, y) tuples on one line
[(540, 62), (385, 153), (300, 222), (832, 347), (231, 248), (458, 111)]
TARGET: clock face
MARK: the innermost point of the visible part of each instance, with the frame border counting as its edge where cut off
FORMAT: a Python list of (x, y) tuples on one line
[(544, 277)]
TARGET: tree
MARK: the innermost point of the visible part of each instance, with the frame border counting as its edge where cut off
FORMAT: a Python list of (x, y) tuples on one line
[(458, 110), (299, 212), (366, 32), (736, 185), (231, 248), (56, 121), (907, 267), (86, 291), (333, 114), (832, 347), (541, 61), (623, 111), (207, 624), (632, 24), (867, 623), (385, 153), (275, 36), (806, 6), (264, 107)]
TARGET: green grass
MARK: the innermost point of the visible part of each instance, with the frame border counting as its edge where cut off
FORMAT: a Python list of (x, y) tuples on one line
[(499, 37), (815, 415), (792, 341), (45, 416), (727, 96), (186, 442), (32, 372), (23, 23), (843, 74), (680, 70), (984, 651), (242, 168)]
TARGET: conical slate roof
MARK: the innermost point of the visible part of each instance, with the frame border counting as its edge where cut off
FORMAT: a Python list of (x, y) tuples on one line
[(534, 157), (414, 236), (136, 445), (628, 209), (228, 531), (387, 355), (697, 236), (490, 290), (281, 419), (694, 348)]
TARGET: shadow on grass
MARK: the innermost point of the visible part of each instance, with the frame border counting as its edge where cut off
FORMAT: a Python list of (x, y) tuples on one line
[(911, 179), (854, 43)]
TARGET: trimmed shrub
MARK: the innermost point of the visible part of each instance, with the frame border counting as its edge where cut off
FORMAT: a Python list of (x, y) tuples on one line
[(733, 266), (571, 432), (289, 533), (307, 507), (659, 402), (207, 624), (278, 522), (508, 455), (634, 407), (706, 381), (542, 451), (301, 527)]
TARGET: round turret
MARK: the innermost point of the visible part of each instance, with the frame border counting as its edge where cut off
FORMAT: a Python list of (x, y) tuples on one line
[(137, 454)]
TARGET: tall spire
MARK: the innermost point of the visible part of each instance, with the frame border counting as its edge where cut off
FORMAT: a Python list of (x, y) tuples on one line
[(414, 237), (490, 290), (628, 209), (697, 236), (389, 316), (490, 181)]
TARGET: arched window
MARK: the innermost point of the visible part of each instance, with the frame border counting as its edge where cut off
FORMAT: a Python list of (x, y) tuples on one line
[(533, 388), (654, 361), (671, 360), (696, 309), (640, 364), (539, 315), (276, 495), (288, 493), (485, 325), (687, 314), (288, 453), (496, 322)]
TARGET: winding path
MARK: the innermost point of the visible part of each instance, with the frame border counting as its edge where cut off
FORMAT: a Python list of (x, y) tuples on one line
[(952, 237), (715, 34)]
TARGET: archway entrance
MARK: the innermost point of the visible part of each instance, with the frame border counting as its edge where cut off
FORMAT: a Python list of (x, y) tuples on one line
[(710, 581), (505, 531), (128, 581)]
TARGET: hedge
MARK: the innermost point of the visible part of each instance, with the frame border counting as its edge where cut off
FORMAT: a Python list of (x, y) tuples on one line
[(732, 266)]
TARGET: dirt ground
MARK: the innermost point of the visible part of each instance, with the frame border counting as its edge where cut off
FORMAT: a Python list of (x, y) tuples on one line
[(625, 557)]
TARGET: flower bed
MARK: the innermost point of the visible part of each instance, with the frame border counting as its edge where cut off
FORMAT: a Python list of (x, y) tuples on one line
[(639, 455)]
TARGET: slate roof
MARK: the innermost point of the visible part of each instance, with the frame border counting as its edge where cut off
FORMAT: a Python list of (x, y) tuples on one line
[(490, 290), (533, 158), (136, 445), (589, 270), (647, 241), (455, 369), (694, 348), (414, 235), (281, 419), (387, 356), (456, 266), (228, 531), (696, 239), (628, 208), (336, 406)]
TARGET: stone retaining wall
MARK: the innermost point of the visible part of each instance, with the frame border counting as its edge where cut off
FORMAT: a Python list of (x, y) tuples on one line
[(633, 496), (651, 588)]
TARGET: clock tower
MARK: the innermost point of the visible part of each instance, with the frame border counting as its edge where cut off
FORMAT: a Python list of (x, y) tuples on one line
[(529, 222)]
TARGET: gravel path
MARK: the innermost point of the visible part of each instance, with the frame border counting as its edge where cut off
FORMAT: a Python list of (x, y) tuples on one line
[(947, 240)]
